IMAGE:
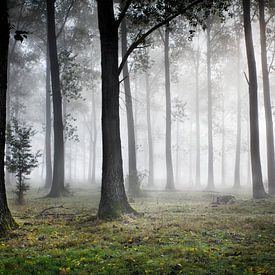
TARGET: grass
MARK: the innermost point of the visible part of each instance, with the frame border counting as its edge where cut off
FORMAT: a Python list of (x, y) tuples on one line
[(178, 233)]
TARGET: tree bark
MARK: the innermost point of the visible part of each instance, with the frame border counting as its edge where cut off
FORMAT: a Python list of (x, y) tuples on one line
[(267, 102), (134, 188), (57, 188), (237, 183), (6, 220), (149, 132), (169, 166), (257, 182), (48, 150), (113, 202), (210, 181)]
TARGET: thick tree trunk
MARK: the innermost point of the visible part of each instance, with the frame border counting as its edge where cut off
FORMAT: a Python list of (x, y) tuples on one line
[(149, 132), (210, 181), (257, 182), (267, 103), (6, 220), (48, 150), (57, 188), (198, 145), (169, 166), (134, 188), (237, 183), (113, 200)]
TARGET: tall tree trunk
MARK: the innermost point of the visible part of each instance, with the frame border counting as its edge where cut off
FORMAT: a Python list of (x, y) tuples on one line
[(6, 220), (198, 145), (149, 131), (94, 139), (113, 200), (70, 161), (257, 182), (210, 181), (84, 157), (177, 152), (48, 151), (267, 103), (223, 143), (134, 188), (169, 166), (237, 183), (57, 188)]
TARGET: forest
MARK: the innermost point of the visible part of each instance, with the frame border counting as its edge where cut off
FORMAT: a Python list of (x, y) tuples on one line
[(136, 137)]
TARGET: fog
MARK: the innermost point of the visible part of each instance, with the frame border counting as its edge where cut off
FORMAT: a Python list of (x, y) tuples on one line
[(27, 97)]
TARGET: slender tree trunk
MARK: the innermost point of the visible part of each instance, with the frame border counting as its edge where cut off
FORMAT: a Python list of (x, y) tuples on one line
[(57, 188), (210, 182), (248, 155), (198, 145), (48, 151), (149, 132), (134, 188), (90, 158), (190, 151), (94, 140), (177, 152), (6, 220), (169, 166), (267, 103), (237, 183), (70, 161), (84, 157), (8, 108), (113, 200), (223, 142), (257, 182)]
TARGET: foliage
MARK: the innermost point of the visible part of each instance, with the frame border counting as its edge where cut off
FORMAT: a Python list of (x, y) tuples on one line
[(70, 76), (20, 160), (179, 233)]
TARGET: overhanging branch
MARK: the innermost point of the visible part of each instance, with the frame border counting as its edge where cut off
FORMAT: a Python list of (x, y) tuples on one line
[(142, 38)]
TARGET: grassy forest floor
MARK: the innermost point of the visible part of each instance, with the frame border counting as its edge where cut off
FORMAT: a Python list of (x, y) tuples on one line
[(178, 233)]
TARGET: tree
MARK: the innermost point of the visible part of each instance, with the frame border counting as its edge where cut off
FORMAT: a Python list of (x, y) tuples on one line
[(113, 197), (48, 121), (257, 182), (170, 185), (57, 188), (6, 220), (149, 132), (21, 160), (210, 181), (267, 102), (134, 188), (237, 183), (113, 200)]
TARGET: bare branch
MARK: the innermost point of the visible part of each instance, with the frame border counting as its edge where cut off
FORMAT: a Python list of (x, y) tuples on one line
[(146, 34), (161, 36), (66, 18), (123, 12), (246, 77)]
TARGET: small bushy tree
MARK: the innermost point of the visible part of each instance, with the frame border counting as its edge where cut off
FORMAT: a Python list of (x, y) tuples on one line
[(21, 161)]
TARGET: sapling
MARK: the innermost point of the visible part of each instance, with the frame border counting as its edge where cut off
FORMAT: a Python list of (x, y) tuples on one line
[(20, 161)]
